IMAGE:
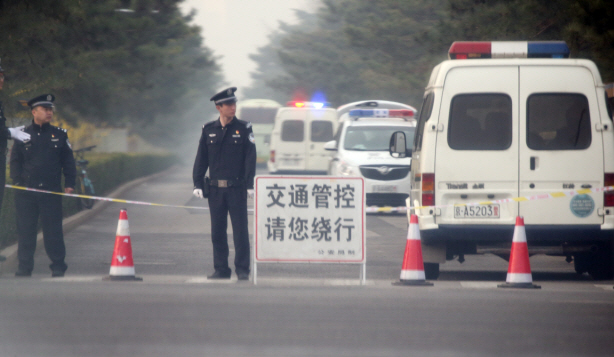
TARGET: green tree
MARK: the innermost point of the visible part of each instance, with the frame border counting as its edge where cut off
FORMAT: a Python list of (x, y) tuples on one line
[(353, 50), (139, 67), (586, 25)]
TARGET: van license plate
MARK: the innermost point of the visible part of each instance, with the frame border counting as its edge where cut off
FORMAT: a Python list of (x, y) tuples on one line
[(481, 211), (289, 162), (384, 188)]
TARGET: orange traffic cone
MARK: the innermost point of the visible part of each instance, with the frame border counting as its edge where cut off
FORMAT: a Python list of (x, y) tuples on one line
[(412, 271), (519, 269), (122, 265)]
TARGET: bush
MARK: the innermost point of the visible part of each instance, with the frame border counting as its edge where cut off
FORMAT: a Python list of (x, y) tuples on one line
[(107, 172)]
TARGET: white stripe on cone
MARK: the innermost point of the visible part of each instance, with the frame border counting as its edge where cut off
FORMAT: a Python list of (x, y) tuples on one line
[(122, 228), (515, 278), (122, 271), (412, 275)]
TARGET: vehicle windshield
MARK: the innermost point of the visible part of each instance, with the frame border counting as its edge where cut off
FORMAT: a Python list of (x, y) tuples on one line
[(373, 138), (258, 115)]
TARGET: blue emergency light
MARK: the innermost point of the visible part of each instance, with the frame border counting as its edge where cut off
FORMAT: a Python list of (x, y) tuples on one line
[(548, 49)]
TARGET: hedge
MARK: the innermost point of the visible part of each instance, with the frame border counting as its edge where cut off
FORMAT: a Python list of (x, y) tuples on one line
[(107, 172)]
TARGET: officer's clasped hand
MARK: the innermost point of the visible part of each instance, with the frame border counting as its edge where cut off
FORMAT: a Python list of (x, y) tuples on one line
[(198, 193), (18, 134)]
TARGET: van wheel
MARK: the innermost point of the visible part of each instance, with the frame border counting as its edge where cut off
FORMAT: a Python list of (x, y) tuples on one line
[(431, 271), (581, 263), (602, 264)]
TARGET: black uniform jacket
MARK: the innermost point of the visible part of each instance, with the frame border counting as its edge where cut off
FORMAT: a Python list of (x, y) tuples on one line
[(38, 162), (5, 134), (228, 152)]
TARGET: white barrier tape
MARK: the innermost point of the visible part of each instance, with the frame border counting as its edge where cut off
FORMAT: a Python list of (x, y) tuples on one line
[(102, 198), (367, 209), (505, 200)]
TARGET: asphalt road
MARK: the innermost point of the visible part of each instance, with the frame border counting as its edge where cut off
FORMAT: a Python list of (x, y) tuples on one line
[(295, 310)]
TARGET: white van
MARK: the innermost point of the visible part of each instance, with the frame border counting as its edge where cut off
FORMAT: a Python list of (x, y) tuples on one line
[(297, 142), (515, 119), (261, 113)]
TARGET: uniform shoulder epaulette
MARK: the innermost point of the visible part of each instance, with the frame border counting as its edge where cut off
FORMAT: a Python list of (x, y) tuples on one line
[(59, 129), (209, 123), (245, 123)]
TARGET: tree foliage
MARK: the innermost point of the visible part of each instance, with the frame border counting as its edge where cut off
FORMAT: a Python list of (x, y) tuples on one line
[(361, 49), (140, 66)]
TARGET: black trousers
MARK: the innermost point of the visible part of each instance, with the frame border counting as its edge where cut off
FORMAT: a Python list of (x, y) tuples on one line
[(2, 175), (222, 201), (31, 205)]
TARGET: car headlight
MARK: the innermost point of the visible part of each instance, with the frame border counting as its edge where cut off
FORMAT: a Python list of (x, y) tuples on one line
[(346, 169)]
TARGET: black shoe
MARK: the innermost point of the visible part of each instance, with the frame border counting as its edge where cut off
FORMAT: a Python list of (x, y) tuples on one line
[(219, 275), (243, 276), (57, 274), (23, 274)]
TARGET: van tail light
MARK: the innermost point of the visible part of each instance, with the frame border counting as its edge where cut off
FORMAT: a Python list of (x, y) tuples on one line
[(428, 189), (608, 196), (272, 156)]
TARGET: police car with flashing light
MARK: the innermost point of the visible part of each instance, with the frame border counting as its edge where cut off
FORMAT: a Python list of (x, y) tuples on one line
[(297, 141), (361, 149), (511, 124)]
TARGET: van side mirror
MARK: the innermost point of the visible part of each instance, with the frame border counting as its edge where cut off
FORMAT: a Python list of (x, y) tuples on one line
[(331, 145), (398, 146)]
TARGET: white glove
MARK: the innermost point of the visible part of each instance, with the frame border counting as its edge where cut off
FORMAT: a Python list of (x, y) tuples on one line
[(18, 134), (250, 193), (198, 193)]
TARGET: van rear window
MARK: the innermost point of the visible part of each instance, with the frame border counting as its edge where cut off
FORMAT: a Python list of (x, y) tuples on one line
[(293, 130), (558, 121), (480, 121), (321, 131), (425, 114)]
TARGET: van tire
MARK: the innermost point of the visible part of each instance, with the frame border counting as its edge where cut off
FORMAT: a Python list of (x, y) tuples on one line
[(581, 263), (602, 264), (431, 271)]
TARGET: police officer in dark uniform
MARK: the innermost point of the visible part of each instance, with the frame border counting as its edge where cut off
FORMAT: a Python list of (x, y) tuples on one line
[(227, 149), (39, 163), (5, 134)]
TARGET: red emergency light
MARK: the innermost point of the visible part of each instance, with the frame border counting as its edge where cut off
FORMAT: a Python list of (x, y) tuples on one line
[(466, 50)]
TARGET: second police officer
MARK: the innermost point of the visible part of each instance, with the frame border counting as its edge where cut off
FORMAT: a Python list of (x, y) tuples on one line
[(39, 163), (227, 149)]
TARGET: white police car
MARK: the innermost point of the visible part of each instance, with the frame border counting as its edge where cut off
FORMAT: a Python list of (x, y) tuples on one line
[(361, 147)]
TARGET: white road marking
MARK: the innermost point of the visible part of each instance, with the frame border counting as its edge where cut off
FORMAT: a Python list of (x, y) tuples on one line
[(479, 284)]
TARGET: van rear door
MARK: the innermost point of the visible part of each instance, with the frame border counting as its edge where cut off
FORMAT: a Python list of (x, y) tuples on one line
[(290, 153), (319, 131), (477, 145), (560, 148)]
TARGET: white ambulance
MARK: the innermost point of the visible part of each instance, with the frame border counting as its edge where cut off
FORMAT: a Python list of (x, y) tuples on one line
[(503, 120), (297, 142)]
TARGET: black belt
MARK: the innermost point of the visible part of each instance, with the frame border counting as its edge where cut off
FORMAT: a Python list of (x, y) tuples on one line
[(226, 183)]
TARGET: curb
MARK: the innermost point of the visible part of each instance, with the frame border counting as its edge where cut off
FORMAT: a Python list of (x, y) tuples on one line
[(74, 221)]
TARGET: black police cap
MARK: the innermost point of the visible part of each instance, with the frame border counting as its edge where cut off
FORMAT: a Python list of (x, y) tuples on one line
[(225, 96), (45, 100)]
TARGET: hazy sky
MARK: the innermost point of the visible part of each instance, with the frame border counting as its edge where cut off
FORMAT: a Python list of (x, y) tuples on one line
[(234, 29)]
